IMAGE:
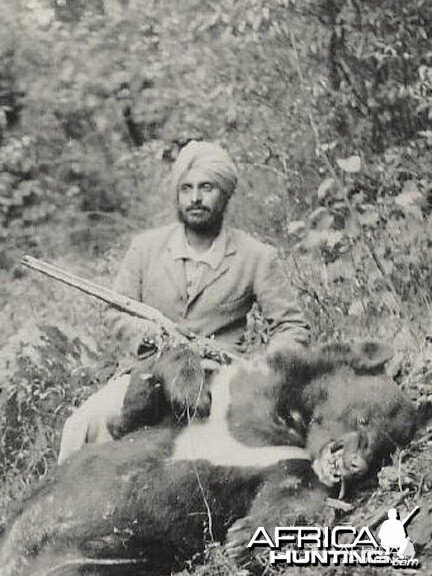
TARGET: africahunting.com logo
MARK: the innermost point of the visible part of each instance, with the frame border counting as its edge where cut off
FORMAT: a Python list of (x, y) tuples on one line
[(341, 545)]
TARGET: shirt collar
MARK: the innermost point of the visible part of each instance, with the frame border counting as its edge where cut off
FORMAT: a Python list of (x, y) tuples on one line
[(180, 248)]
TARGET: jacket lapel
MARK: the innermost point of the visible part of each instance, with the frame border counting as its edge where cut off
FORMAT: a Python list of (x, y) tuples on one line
[(175, 266), (208, 278), (210, 275)]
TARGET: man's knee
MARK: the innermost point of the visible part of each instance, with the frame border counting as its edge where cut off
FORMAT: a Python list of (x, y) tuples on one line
[(92, 421), (74, 436)]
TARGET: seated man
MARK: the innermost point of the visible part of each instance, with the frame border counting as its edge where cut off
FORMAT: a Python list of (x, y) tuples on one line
[(201, 274)]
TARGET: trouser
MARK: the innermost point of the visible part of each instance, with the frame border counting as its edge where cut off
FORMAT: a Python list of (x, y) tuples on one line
[(101, 418)]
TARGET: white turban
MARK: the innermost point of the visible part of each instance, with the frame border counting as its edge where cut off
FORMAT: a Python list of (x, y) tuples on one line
[(209, 157)]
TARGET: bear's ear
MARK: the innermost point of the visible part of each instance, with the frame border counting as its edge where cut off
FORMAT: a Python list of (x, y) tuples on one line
[(363, 356), (370, 356)]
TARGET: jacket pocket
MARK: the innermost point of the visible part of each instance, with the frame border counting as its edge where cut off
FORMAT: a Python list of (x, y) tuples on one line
[(244, 300)]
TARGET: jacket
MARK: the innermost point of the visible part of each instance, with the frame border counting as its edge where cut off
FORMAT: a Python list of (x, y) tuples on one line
[(249, 272)]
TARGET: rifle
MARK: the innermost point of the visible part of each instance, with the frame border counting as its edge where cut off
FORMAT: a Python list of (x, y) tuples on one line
[(410, 516), (205, 347)]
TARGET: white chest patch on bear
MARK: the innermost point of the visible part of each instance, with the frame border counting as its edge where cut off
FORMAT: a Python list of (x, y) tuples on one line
[(213, 442)]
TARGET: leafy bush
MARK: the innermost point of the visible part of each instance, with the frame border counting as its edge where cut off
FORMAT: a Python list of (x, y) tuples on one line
[(45, 374)]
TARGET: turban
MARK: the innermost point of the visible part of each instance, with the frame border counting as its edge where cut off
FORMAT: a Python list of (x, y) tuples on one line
[(209, 157)]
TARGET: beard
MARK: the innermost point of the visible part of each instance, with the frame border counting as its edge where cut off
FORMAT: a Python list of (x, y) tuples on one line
[(209, 223)]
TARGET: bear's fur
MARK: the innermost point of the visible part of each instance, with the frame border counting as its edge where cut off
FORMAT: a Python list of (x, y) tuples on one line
[(145, 504)]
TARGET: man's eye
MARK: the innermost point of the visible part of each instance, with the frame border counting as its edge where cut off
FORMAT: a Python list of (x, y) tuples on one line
[(207, 187), (185, 187)]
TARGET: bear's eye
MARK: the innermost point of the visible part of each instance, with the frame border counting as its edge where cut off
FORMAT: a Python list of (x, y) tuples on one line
[(317, 418)]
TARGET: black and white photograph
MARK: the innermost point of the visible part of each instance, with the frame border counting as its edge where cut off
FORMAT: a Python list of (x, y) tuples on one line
[(215, 287)]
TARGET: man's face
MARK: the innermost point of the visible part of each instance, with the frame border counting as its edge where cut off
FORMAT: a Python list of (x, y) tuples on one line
[(200, 202)]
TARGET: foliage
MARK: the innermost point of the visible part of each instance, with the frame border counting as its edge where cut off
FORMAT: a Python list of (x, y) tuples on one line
[(371, 231), (26, 198), (379, 67), (326, 105), (48, 372)]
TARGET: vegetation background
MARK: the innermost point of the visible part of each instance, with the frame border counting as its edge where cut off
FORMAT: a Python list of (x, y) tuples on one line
[(326, 106)]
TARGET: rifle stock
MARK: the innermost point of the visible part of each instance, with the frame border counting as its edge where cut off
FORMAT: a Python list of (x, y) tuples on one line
[(204, 346)]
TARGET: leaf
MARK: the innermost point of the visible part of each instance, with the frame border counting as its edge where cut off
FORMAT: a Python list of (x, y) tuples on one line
[(3, 118), (321, 219), (370, 216), (334, 238), (295, 228), (409, 196), (425, 134), (356, 308), (326, 146), (5, 201), (339, 271), (324, 188), (352, 228), (43, 16), (316, 239), (414, 212), (323, 239), (351, 164), (358, 198), (27, 165)]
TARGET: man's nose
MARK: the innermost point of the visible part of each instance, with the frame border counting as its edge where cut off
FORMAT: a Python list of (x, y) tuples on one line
[(196, 194)]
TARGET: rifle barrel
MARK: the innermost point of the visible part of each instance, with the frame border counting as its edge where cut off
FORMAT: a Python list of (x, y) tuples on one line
[(120, 302), (410, 515)]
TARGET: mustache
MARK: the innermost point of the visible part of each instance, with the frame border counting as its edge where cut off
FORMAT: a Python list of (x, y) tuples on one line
[(197, 206)]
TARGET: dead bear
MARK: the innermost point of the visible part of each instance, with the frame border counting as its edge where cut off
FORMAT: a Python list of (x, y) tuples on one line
[(150, 501)]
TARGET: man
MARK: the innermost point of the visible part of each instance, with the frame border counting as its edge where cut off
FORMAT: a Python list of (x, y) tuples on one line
[(202, 274), (199, 273)]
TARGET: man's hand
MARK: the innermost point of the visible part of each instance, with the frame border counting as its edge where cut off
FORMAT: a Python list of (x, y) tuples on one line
[(185, 331), (131, 331), (210, 366)]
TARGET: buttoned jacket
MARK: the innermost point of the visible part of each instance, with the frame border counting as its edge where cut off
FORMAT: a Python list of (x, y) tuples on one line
[(249, 272)]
